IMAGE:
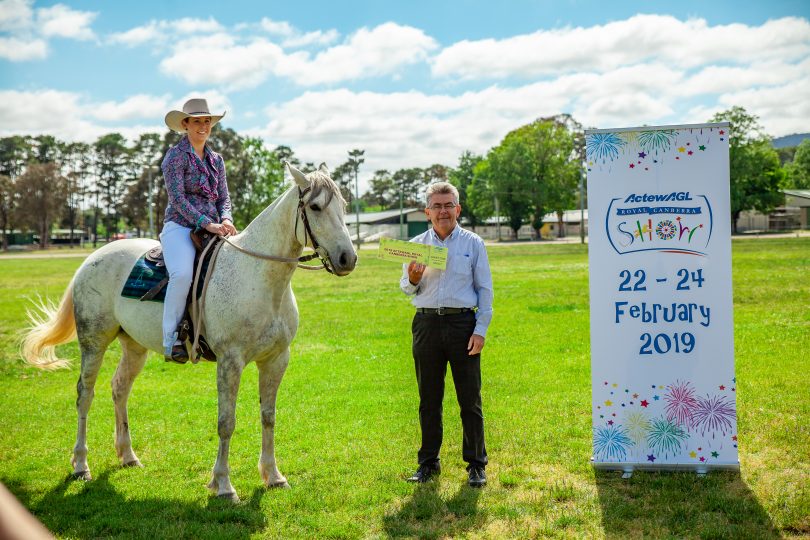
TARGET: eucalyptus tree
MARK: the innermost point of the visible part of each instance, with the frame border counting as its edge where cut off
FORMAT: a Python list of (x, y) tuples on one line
[(756, 175), (112, 161), (462, 177), (15, 152), (43, 193)]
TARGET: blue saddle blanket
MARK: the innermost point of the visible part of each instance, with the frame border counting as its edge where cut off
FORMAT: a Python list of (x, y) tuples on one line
[(143, 277)]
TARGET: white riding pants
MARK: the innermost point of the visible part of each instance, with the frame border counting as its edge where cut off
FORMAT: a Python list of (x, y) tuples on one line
[(178, 253)]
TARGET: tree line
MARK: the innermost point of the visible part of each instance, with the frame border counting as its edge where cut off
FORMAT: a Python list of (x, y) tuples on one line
[(104, 187)]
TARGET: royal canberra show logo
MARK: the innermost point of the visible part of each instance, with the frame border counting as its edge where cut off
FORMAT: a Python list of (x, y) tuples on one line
[(673, 222)]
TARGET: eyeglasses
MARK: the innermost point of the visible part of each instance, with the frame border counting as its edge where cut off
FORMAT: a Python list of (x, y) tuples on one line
[(438, 207)]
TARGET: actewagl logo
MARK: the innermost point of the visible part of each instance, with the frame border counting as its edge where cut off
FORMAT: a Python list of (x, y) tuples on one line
[(673, 222)]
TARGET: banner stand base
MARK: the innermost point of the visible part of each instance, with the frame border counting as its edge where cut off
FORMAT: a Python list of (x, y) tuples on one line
[(627, 469)]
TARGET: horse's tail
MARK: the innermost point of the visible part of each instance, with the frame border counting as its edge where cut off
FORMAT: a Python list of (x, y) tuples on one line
[(50, 325)]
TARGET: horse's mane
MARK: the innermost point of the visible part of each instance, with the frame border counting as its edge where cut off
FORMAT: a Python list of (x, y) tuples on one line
[(321, 181)]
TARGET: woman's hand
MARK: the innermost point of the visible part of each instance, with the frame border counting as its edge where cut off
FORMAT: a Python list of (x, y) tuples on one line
[(221, 229), (229, 228)]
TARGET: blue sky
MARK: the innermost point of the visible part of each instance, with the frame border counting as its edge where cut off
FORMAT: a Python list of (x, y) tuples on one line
[(413, 83)]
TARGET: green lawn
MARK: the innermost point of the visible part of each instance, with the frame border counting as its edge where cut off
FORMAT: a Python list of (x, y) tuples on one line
[(347, 428)]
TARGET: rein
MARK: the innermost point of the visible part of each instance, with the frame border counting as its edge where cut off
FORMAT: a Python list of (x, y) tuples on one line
[(197, 307), (319, 252)]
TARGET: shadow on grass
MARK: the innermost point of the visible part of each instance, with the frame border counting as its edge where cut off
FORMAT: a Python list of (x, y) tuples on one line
[(661, 504), (95, 509), (427, 515)]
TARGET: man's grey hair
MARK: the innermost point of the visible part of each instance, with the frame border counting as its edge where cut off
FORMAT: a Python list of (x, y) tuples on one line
[(441, 188)]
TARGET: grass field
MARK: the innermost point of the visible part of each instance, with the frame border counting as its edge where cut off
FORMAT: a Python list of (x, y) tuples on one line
[(347, 429)]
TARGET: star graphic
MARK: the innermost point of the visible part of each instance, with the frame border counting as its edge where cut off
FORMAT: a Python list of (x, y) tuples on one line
[(632, 165), (692, 454), (656, 398), (610, 422), (721, 132), (601, 416), (733, 437), (642, 155), (608, 403), (651, 458), (677, 157), (715, 454), (615, 385), (681, 149), (700, 449), (690, 152), (733, 389), (702, 458), (606, 383), (702, 147), (635, 395), (722, 387), (644, 402)]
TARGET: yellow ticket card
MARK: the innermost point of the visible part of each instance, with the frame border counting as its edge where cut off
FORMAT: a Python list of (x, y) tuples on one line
[(403, 252)]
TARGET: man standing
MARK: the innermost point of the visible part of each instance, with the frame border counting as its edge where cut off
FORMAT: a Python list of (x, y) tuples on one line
[(453, 311)]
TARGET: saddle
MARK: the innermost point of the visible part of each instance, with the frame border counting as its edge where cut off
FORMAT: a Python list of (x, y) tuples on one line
[(153, 259)]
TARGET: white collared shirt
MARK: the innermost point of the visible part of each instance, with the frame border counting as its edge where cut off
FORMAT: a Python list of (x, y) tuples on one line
[(465, 283)]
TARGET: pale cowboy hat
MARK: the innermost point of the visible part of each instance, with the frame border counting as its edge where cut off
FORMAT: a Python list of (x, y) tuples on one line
[(192, 107)]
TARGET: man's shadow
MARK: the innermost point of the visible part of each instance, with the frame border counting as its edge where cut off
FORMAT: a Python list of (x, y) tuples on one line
[(427, 515), (681, 504), (95, 509)]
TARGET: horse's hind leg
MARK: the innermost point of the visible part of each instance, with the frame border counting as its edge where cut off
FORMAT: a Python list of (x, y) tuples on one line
[(92, 356), (132, 360)]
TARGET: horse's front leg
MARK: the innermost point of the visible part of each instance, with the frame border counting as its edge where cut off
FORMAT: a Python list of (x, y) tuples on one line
[(270, 374), (229, 373)]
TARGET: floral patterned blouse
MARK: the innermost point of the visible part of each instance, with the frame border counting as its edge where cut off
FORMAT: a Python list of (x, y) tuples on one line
[(198, 190)]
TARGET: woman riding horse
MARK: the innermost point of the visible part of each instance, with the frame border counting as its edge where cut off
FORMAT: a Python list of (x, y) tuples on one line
[(198, 198)]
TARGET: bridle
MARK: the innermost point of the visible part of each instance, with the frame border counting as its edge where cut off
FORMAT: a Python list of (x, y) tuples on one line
[(319, 252)]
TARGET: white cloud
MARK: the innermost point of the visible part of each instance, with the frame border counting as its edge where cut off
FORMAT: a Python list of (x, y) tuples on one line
[(316, 37), (368, 52), (226, 63), (18, 50), (61, 21), (72, 117), (134, 107), (27, 31), (162, 32), (15, 14), (640, 38)]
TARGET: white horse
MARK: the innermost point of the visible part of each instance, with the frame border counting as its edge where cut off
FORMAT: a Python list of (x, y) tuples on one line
[(249, 314)]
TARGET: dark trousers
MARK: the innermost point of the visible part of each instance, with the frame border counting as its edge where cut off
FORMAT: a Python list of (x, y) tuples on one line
[(437, 341)]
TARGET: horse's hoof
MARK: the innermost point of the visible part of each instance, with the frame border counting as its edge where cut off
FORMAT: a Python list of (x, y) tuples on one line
[(279, 485), (133, 463), (230, 497), (84, 476)]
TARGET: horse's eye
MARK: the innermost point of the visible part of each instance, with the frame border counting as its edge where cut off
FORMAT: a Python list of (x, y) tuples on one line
[(315, 207)]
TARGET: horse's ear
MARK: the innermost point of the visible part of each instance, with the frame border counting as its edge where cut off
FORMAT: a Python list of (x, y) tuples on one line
[(324, 169), (297, 175)]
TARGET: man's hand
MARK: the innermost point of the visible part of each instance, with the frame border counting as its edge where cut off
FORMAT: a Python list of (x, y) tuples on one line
[(415, 271), (475, 344)]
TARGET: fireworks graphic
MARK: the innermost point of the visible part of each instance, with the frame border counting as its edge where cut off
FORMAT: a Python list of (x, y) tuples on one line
[(603, 146), (714, 414), (665, 436), (658, 140), (610, 442), (665, 230), (638, 425), (681, 403)]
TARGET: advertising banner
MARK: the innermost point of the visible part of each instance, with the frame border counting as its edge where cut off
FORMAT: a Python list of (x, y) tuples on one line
[(662, 342)]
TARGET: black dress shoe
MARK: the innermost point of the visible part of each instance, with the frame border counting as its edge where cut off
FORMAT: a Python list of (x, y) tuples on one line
[(478, 478), (425, 473), (179, 355)]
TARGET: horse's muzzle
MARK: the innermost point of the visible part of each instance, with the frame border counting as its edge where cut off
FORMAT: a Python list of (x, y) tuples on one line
[(344, 263)]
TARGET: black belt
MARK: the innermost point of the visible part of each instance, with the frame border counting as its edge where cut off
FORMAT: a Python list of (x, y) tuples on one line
[(443, 310)]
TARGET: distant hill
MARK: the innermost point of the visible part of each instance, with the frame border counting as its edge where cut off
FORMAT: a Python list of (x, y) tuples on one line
[(790, 140)]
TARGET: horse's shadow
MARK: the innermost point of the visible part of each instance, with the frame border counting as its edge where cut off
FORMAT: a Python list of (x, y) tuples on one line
[(427, 515), (679, 504), (95, 509)]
